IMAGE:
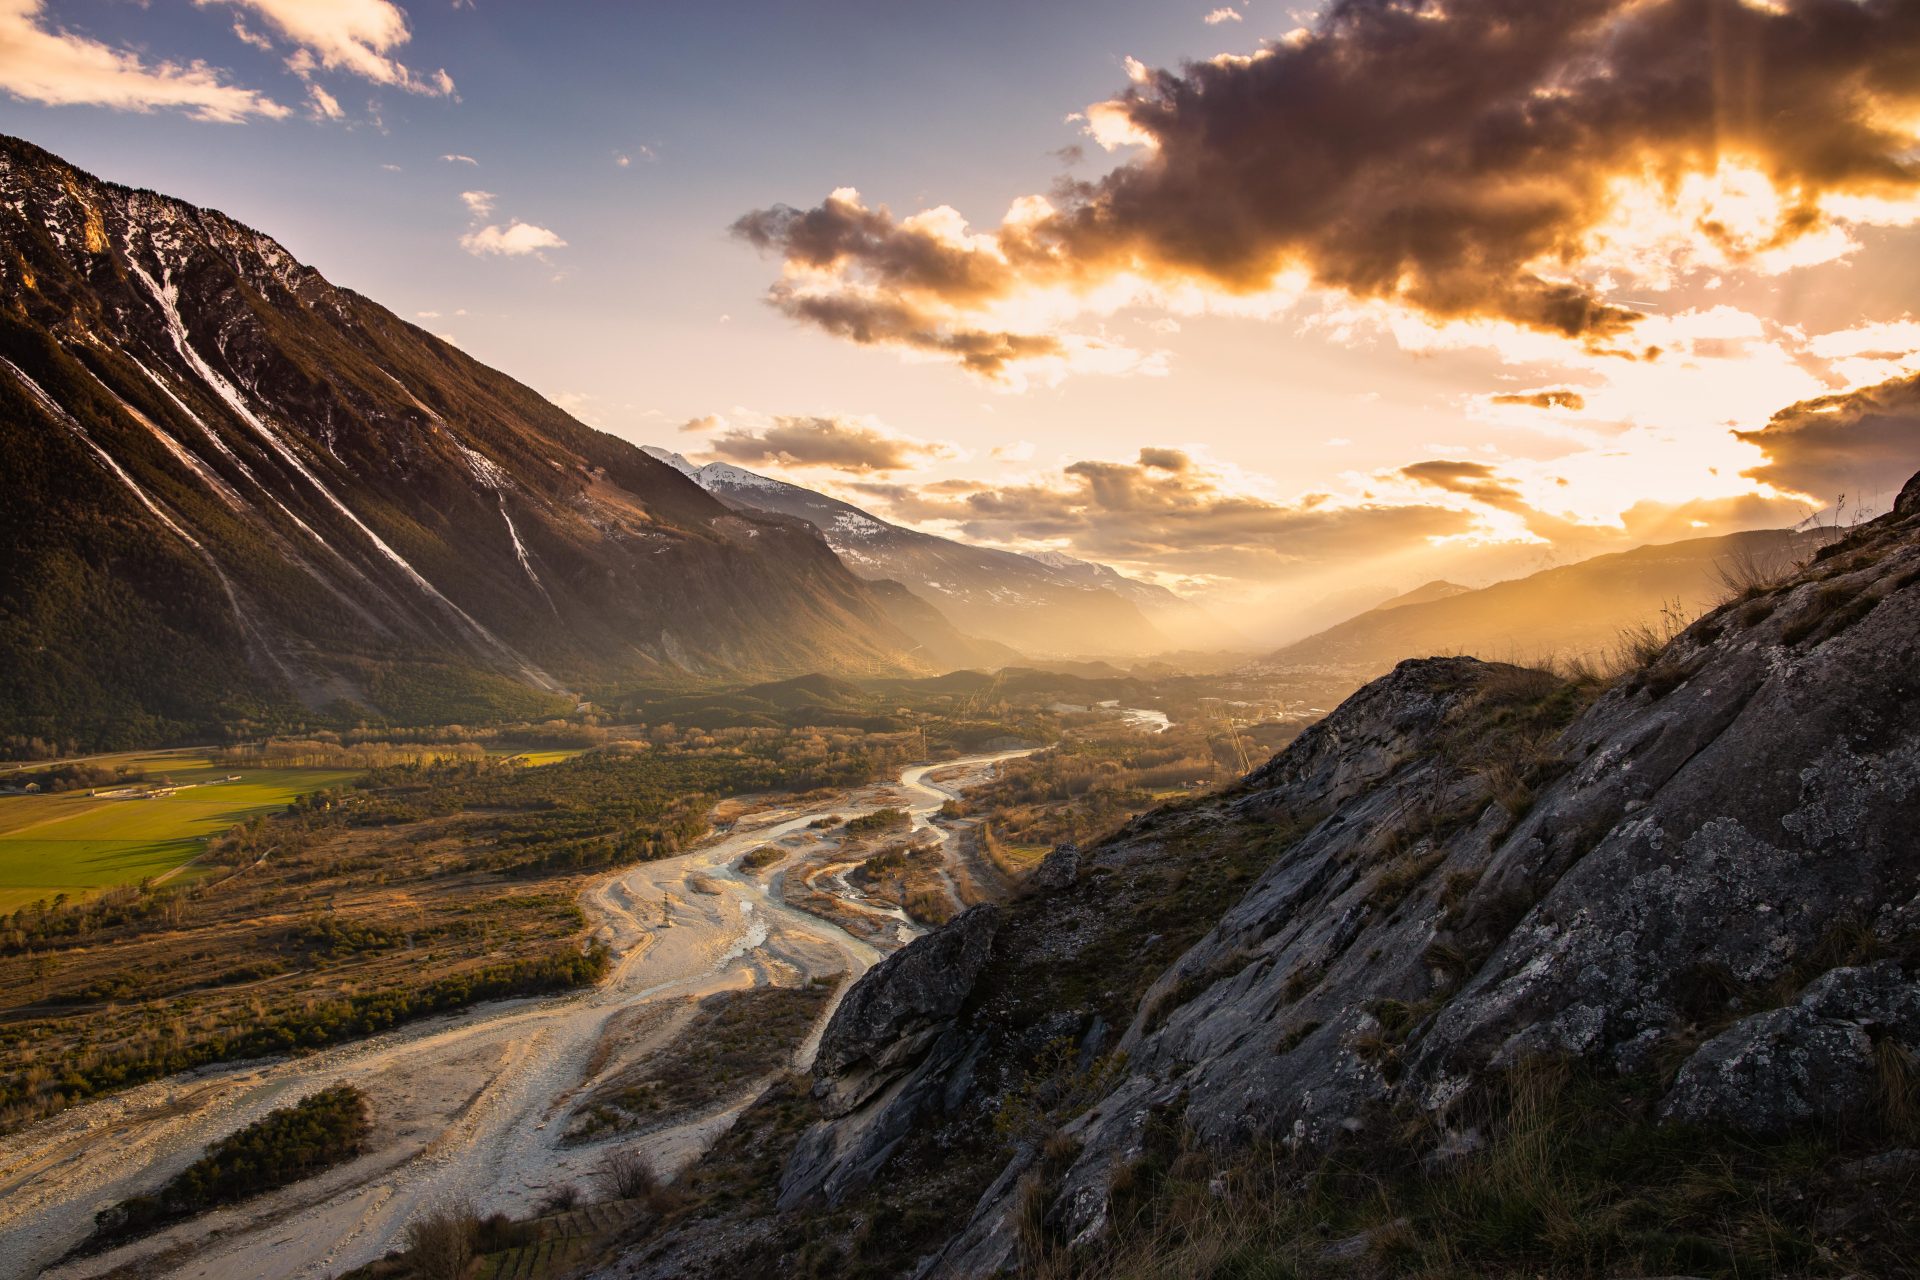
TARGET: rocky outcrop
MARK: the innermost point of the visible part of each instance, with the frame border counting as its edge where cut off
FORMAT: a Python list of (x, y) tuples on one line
[(886, 1057), (1719, 821), (1811, 1062)]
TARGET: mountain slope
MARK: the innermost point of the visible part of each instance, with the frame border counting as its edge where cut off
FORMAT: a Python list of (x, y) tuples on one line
[(233, 485), (1567, 979), (1577, 609), (1039, 606)]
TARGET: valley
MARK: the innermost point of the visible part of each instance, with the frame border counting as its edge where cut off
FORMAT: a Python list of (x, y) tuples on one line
[(1286, 648), (486, 1106)]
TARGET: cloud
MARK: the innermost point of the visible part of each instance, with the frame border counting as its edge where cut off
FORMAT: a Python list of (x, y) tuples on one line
[(1462, 160), (60, 68), (247, 36), (1218, 16), (1864, 444), (459, 159), (517, 239), (1554, 399), (1474, 480), (325, 105), (1166, 513), (353, 36), (844, 444)]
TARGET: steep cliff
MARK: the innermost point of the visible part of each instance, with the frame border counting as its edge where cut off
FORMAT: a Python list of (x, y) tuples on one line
[(1688, 900)]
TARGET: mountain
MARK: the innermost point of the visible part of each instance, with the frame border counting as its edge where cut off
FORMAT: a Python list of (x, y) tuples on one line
[(1489, 973), (1577, 610), (1439, 589), (1054, 606), (236, 491)]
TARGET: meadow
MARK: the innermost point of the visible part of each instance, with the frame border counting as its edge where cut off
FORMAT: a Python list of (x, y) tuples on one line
[(76, 843)]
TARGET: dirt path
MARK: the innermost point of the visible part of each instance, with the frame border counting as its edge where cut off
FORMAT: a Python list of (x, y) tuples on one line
[(472, 1107)]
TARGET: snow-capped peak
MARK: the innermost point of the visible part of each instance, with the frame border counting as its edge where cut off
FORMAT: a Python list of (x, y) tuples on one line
[(723, 475), (672, 459)]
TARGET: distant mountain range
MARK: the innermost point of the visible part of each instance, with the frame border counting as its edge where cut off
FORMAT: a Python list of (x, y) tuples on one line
[(1043, 604), (1577, 610), (236, 491)]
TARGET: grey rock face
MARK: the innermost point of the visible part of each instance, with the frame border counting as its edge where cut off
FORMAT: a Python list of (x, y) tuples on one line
[(1721, 813), (887, 1056), (1812, 1061), (911, 990), (1775, 1070), (1058, 869), (1908, 503)]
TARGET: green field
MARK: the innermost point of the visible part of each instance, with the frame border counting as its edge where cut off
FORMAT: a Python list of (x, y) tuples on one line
[(550, 756), (76, 843)]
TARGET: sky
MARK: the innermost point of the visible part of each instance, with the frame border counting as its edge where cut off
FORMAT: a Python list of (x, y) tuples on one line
[(1266, 302)]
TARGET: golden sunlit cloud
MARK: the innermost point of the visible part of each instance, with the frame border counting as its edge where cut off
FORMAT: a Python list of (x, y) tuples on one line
[(1477, 160), (44, 63), (1171, 515), (858, 446), (358, 37)]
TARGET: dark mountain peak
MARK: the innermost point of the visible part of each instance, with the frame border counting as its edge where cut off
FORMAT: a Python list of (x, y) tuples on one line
[(239, 486)]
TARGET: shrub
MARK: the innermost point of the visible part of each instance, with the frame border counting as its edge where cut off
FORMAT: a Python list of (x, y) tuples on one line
[(879, 820), (629, 1177), (285, 1146), (440, 1242)]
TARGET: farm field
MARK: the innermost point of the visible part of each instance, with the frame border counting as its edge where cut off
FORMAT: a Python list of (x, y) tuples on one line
[(553, 755), (77, 844)]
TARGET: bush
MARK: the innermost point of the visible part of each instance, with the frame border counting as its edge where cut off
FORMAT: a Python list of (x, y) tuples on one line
[(285, 1146), (440, 1241), (629, 1177), (879, 820)]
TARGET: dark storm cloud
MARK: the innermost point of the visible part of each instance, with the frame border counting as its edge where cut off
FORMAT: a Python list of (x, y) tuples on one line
[(1452, 156), (1864, 443)]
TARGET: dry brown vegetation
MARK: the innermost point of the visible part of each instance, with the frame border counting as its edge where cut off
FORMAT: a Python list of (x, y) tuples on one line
[(733, 1039), (1572, 1178), (270, 956), (1100, 776), (908, 876)]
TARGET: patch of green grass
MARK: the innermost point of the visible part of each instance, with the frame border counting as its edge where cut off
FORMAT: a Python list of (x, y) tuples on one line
[(78, 843)]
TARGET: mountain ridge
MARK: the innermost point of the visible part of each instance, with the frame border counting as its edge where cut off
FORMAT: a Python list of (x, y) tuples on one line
[(1038, 604), (306, 501), (1573, 610)]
